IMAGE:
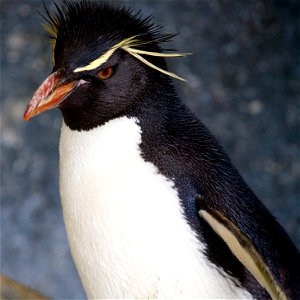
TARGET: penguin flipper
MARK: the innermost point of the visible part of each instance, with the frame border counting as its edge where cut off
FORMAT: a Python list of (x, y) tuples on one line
[(244, 250)]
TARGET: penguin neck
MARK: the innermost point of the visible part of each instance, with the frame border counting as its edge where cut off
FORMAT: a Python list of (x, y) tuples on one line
[(142, 104)]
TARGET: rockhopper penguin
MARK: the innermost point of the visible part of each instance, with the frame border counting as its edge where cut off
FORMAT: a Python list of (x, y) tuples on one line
[(152, 205)]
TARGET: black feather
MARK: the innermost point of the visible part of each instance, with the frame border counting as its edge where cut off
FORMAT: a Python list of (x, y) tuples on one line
[(85, 30)]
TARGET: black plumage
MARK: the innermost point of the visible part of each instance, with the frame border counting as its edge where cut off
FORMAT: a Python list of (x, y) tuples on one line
[(206, 179), (82, 39)]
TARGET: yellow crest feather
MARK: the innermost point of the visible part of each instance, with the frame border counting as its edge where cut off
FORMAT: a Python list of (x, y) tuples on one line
[(51, 29), (128, 45)]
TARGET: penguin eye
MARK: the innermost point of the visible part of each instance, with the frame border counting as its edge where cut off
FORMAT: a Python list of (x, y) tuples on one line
[(105, 73)]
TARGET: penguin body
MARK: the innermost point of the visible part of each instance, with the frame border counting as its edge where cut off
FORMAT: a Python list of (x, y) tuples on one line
[(141, 254), (152, 205)]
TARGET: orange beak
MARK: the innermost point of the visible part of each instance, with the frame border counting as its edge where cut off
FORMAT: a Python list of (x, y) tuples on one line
[(50, 94)]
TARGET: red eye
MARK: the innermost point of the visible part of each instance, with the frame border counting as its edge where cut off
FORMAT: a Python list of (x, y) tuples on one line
[(105, 73)]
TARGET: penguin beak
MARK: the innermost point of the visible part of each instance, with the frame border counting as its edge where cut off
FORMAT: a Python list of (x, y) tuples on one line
[(53, 91)]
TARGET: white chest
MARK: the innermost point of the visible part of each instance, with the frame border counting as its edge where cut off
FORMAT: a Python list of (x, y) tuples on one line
[(126, 229)]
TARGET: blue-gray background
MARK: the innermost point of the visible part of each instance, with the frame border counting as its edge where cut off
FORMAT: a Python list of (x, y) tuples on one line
[(243, 82)]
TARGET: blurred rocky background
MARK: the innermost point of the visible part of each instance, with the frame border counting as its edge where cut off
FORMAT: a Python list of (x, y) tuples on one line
[(243, 82)]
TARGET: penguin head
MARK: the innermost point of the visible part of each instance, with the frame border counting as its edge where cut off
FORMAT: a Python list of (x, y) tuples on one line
[(106, 60)]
